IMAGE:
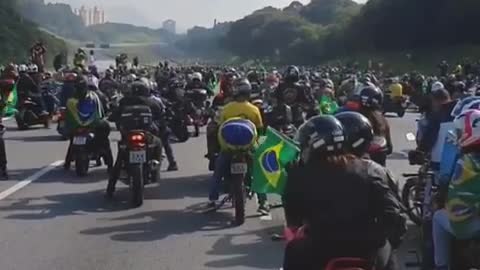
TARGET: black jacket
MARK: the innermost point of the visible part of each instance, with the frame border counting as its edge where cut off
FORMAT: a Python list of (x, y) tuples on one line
[(26, 85), (353, 207)]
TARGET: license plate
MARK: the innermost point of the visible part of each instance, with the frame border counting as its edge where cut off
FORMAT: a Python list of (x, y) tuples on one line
[(137, 157), (238, 168), (79, 140)]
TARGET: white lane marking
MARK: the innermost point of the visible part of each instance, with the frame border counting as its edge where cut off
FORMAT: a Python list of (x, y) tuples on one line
[(30, 179), (6, 118), (266, 218)]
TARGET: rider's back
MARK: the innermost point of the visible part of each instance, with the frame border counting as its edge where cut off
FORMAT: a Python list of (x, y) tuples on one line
[(244, 110)]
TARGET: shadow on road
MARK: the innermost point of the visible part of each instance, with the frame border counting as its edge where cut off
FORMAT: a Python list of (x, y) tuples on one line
[(157, 225), (403, 155), (180, 187), (247, 254), (95, 174), (45, 138), (62, 205)]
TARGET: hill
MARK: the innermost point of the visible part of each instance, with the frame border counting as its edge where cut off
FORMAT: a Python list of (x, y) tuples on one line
[(60, 19), (18, 34)]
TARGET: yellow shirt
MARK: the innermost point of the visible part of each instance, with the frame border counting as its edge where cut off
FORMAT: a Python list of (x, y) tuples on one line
[(244, 110)]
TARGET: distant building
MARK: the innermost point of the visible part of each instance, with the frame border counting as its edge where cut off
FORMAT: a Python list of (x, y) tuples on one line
[(90, 16), (170, 26)]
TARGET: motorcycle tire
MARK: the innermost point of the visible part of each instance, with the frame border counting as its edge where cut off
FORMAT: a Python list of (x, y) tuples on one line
[(408, 201), (238, 197), (82, 162), (136, 185), (401, 113), (19, 118)]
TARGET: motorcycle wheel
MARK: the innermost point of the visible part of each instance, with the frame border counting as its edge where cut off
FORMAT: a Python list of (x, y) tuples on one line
[(401, 113), (414, 209), (19, 118), (82, 162), (136, 185), (238, 197)]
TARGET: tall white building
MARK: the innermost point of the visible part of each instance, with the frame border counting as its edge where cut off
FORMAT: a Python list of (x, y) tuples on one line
[(170, 26)]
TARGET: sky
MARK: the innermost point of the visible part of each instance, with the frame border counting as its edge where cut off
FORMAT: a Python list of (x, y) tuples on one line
[(186, 13)]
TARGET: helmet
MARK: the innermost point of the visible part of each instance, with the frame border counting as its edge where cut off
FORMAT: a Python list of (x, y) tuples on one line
[(22, 68), (32, 68), (371, 97), (467, 125), (292, 73), (395, 88), (461, 104), (81, 85), (70, 77), (437, 86), (108, 73), (358, 130), (322, 135), (242, 87), (197, 76), (139, 88), (131, 78)]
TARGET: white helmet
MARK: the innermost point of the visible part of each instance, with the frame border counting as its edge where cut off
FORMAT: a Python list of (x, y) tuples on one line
[(22, 68), (32, 68), (197, 75), (437, 86), (467, 125)]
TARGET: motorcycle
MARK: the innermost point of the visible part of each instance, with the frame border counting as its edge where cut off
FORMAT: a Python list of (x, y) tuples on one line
[(82, 150), (196, 108), (237, 185), (29, 114), (136, 156), (177, 121), (397, 105)]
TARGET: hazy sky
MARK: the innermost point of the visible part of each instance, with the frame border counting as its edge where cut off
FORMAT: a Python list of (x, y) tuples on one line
[(186, 12)]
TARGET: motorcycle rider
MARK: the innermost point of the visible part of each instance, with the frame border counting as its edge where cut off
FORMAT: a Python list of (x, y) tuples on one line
[(437, 124), (27, 86), (108, 83), (239, 107), (197, 83), (6, 87), (140, 96), (458, 214), (357, 221), (298, 96), (101, 128), (371, 101)]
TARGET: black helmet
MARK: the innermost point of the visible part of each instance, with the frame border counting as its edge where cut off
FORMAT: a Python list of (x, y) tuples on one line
[(140, 88), (242, 87), (371, 97), (358, 131), (292, 74), (322, 135)]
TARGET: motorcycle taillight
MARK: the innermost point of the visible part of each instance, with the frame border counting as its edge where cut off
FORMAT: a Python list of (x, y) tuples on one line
[(137, 140)]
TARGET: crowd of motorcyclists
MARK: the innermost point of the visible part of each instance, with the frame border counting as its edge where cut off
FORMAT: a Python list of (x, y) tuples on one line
[(334, 114)]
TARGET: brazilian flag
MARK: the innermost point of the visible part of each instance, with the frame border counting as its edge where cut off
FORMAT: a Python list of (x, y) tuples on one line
[(327, 105), (270, 159), (10, 106)]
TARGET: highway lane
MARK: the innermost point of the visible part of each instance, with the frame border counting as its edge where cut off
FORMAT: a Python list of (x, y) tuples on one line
[(63, 222)]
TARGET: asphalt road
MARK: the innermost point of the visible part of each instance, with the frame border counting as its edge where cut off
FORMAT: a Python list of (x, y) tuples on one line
[(60, 221)]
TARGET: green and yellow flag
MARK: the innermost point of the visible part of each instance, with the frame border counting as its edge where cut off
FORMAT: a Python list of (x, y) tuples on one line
[(270, 159), (11, 105)]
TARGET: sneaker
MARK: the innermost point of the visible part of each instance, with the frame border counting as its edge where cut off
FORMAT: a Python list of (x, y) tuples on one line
[(264, 209), (172, 167)]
